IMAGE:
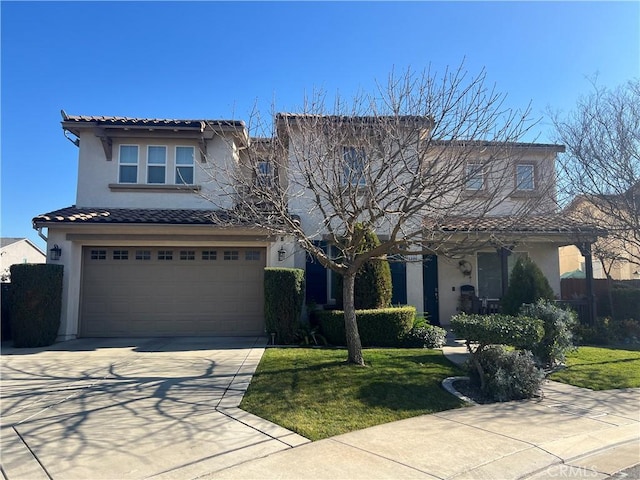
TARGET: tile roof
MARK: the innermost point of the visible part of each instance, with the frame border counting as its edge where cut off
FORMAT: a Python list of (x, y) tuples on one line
[(551, 223), (116, 121), (77, 215)]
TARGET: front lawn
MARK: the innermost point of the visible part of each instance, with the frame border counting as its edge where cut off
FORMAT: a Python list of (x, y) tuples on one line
[(315, 393), (601, 368)]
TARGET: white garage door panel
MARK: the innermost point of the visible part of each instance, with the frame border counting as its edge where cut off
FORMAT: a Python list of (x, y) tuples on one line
[(209, 291)]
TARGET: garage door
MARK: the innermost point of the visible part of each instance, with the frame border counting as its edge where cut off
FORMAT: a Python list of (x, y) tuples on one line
[(162, 291)]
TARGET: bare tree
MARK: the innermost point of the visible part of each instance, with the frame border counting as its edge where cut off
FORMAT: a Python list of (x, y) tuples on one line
[(408, 160), (601, 167)]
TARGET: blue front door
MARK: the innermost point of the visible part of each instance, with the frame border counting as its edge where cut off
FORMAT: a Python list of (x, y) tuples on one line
[(430, 288)]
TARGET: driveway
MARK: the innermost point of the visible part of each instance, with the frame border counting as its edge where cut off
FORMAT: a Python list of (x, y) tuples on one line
[(132, 408)]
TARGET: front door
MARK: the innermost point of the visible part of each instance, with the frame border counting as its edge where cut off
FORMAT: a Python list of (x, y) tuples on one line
[(430, 288)]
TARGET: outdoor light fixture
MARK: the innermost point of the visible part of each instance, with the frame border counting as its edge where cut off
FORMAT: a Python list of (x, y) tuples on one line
[(281, 254), (55, 252)]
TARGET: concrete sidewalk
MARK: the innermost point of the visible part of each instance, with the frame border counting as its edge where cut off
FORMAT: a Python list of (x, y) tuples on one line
[(570, 433)]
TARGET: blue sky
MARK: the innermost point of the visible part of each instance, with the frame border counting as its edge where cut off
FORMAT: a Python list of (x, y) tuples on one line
[(216, 59)]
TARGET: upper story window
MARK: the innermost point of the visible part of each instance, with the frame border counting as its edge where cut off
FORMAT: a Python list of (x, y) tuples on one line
[(474, 176), (264, 174), (354, 165), (525, 177), (156, 164), (184, 165), (128, 162)]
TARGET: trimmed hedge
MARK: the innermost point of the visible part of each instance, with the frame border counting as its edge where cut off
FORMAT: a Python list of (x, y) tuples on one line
[(520, 332), (36, 304), (626, 303), (283, 298), (527, 284), (384, 327)]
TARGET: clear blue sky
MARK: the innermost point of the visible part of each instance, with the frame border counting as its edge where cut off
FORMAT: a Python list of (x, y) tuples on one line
[(215, 59)]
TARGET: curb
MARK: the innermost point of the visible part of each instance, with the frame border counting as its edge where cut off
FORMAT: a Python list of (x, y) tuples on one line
[(447, 384)]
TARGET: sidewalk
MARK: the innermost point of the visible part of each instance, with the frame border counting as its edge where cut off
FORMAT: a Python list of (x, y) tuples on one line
[(570, 433)]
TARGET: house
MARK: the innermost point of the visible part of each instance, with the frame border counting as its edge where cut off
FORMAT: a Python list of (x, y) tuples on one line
[(618, 254), (18, 250), (154, 246)]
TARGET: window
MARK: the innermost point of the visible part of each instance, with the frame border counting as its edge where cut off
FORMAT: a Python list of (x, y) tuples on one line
[(165, 254), (121, 254), (128, 164), (184, 165), (156, 164), (98, 254), (475, 176), (231, 255), (143, 254), (209, 255), (525, 177), (490, 272), (264, 174), (354, 165), (187, 255), (252, 255)]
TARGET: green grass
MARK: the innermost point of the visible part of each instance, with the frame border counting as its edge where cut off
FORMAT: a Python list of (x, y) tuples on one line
[(602, 368), (315, 393)]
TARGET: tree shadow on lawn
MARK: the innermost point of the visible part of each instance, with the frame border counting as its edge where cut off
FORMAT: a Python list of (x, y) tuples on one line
[(410, 397)]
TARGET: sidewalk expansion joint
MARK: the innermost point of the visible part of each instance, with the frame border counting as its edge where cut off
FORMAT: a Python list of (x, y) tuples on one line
[(33, 454)]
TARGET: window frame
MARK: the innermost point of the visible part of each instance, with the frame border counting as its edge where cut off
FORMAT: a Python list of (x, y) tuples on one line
[(354, 160), (162, 165), (471, 175), (122, 164), (177, 166), (518, 181)]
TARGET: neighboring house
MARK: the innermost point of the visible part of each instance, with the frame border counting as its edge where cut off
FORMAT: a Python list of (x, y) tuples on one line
[(18, 250), (616, 255), (146, 254)]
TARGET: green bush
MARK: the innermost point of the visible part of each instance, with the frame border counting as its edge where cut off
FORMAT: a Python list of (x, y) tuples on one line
[(425, 336), (373, 287), (626, 303), (527, 284), (385, 327), (35, 304), (597, 334), (558, 331), (508, 375), (283, 297), (520, 332)]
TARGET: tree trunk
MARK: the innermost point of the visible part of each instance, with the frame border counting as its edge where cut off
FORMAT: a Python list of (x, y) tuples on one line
[(354, 346)]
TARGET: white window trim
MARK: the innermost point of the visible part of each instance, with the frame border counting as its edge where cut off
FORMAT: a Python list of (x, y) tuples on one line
[(519, 188), (156, 165), (349, 175), (137, 164), (176, 165)]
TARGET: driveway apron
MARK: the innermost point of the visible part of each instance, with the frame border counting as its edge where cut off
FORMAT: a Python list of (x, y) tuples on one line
[(132, 408)]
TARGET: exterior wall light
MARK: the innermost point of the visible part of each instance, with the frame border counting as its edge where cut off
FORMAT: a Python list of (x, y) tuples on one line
[(281, 254), (55, 253)]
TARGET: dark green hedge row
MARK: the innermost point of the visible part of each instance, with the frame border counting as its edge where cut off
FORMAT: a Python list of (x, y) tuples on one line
[(626, 303), (283, 297), (520, 332), (36, 303), (385, 327)]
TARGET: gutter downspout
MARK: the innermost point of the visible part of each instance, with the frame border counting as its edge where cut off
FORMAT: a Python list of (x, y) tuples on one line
[(40, 234)]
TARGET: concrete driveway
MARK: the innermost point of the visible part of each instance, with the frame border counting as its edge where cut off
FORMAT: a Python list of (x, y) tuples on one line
[(132, 408)]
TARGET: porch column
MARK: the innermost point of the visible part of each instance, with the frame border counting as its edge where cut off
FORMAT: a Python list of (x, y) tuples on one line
[(585, 251), (504, 253)]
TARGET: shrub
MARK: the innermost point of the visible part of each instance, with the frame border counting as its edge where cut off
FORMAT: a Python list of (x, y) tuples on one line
[(484, 330), (35, 304), (508, 375), (373, 281), (283, 296), (527, 284), (558, 331), (425, 336), (597, 334), (385, 327), (520, 332), (626, 303)]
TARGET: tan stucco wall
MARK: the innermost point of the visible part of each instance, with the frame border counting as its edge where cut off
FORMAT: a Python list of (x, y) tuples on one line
[(20, 252)]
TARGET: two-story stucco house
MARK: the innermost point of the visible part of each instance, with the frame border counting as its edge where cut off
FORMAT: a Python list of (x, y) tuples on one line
[(145, 253)]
